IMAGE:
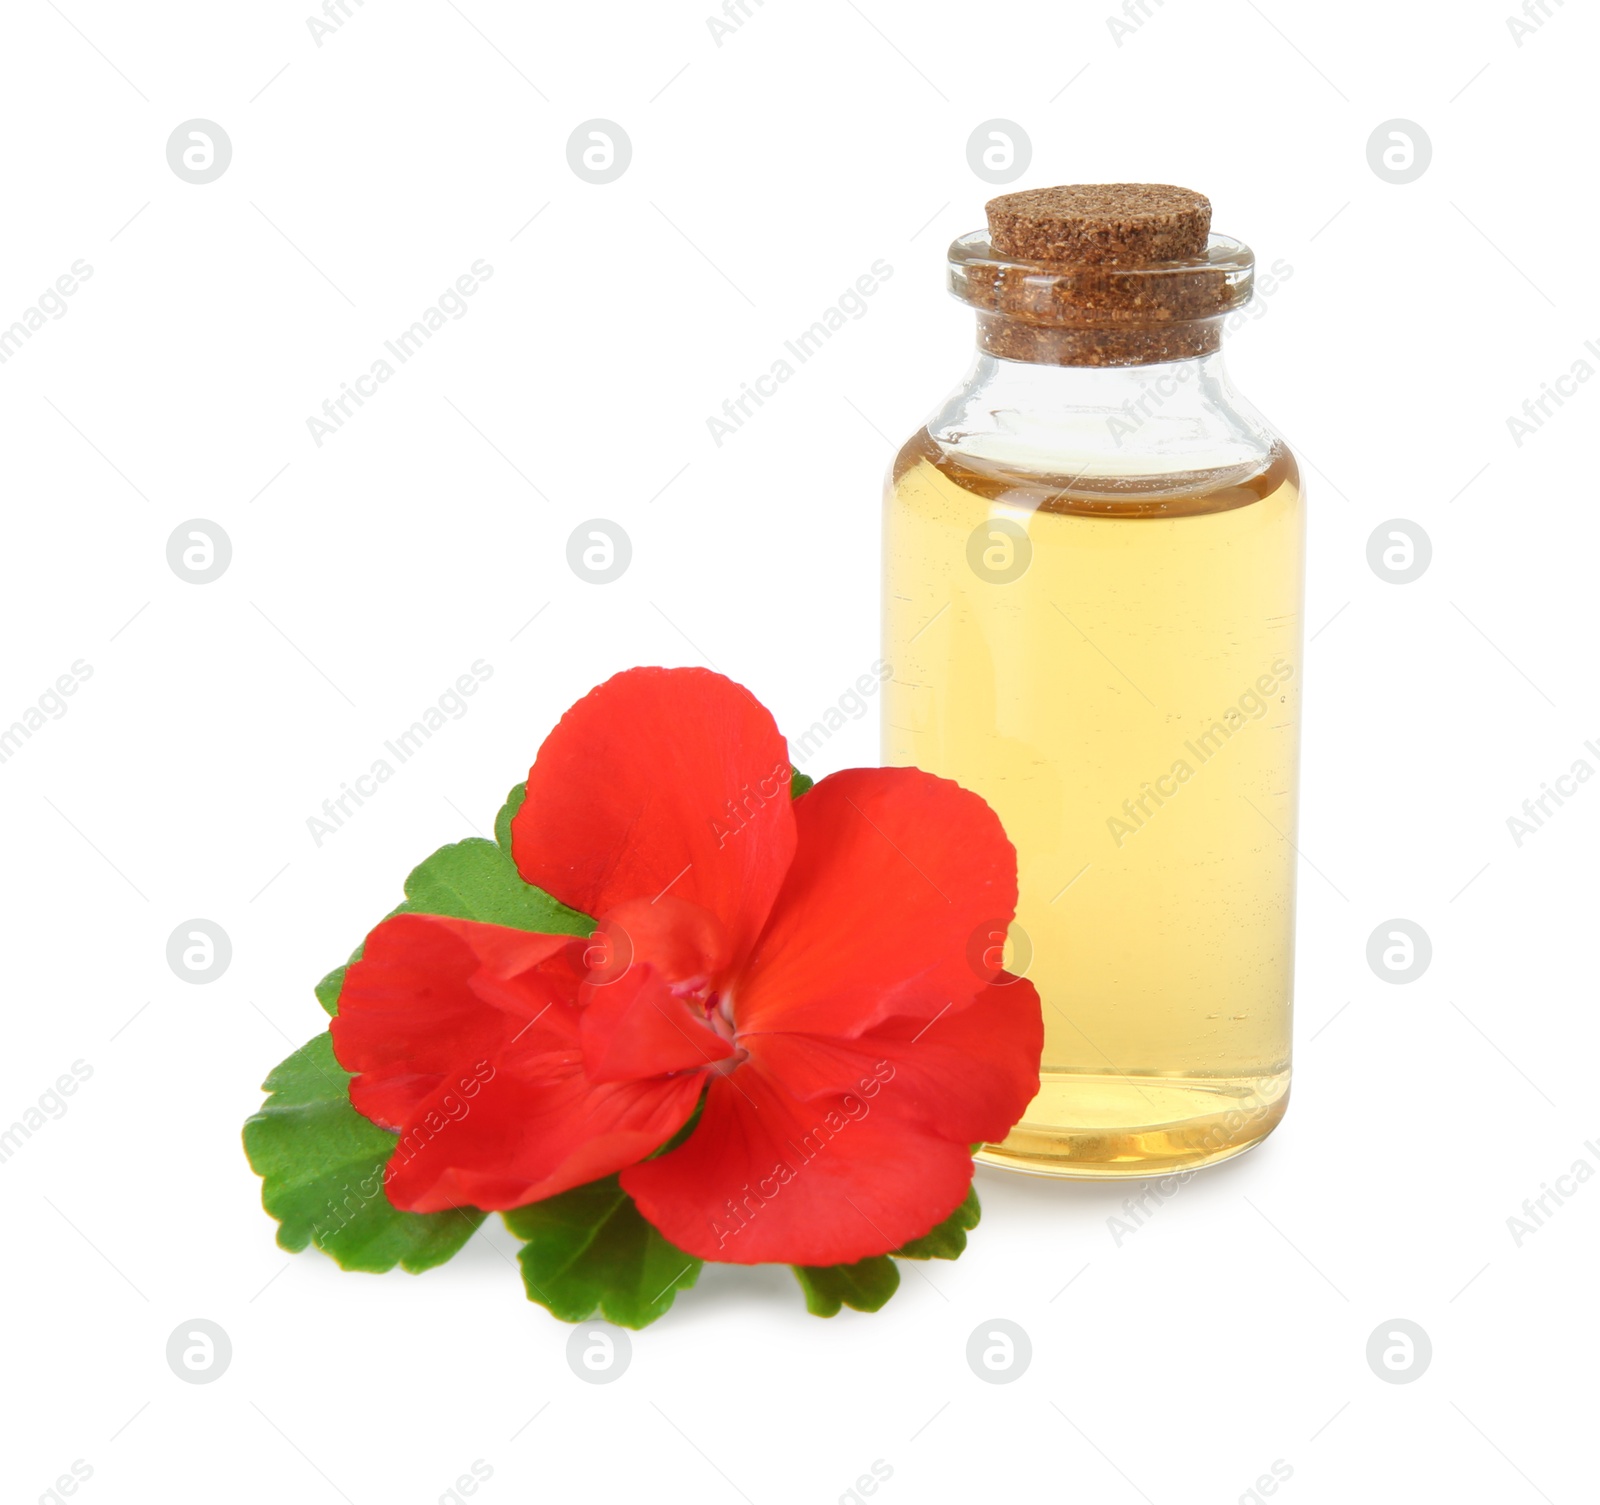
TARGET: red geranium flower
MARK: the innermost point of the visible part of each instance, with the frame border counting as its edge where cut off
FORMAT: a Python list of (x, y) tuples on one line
[(801, 965)]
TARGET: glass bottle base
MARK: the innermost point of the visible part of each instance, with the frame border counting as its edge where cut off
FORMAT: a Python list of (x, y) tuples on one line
[(1130, 1127)]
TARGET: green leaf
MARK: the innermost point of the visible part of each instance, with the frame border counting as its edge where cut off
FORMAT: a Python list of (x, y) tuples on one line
[(502, 822), (328, 989), (589, 1253), (320, 1161), (799, 783), (866, 1286), (863, 1286), (321, 1165), (476, 880), (949, 1238), (472, 880)]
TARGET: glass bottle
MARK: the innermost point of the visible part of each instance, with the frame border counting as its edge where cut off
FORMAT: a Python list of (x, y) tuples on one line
[(1093, 591)]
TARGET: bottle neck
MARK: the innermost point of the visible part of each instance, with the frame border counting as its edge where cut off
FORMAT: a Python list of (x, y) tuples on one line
[(1124, 341), (1151, 419)]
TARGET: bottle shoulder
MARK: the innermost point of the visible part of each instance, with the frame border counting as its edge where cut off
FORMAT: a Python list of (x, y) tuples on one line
[(1144, 441), (1160, 493)]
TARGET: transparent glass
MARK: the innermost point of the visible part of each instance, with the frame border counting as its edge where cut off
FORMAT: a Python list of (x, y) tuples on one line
[(1093, 602)]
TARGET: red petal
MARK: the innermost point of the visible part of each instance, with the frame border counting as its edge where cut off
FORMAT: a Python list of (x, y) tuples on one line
[(683, 942), (522, 1138), (635, 1027), (432, 996), (661, 779), (968, 1075), (766, 1176), (894, 872), (465, 1039)]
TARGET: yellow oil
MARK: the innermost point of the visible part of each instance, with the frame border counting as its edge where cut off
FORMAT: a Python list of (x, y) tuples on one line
[(1129, 705)]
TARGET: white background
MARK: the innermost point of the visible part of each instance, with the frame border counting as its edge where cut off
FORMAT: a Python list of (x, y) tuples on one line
[(1230, 1330)]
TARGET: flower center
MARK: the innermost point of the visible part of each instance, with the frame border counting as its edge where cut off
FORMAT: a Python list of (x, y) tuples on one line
[(719, 1015)]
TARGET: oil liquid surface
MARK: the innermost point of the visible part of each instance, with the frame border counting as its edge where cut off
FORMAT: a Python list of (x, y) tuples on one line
[(1114, 664)]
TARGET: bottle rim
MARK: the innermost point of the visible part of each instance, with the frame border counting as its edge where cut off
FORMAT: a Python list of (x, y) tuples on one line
[(1102, 294)]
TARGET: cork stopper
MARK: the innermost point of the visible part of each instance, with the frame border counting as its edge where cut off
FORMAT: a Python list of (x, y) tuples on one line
[(1105, 224), (1100, 274)]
